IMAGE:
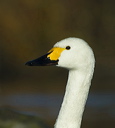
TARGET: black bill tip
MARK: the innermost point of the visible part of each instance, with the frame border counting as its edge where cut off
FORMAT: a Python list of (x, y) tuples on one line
[(42, 61)]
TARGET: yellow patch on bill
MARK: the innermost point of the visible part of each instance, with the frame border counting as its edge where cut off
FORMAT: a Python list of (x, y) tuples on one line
[(55, 53)]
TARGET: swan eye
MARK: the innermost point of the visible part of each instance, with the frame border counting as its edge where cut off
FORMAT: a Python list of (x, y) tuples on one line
[(68, 47)]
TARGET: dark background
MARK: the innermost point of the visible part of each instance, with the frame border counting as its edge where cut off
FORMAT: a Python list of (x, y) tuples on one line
[(28, 29)]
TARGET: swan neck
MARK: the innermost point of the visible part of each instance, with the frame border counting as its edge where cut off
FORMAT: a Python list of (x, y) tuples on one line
[(72, 108)]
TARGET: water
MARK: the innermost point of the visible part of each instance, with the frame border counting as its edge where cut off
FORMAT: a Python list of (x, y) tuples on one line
[(46, 106), (52, 102)]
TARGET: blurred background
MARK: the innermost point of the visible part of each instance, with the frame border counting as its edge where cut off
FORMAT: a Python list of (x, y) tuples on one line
[(28, 29)]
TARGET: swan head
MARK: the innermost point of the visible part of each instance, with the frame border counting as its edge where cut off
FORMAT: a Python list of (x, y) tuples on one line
[(70, 53)]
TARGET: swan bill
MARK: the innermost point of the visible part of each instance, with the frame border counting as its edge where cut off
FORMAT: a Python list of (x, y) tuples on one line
[(42, 61), (51, 58)]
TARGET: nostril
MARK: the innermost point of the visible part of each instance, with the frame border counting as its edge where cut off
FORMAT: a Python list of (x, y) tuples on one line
[(29, 63)]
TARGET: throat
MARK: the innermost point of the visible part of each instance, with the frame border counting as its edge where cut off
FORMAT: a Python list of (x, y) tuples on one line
[(72, 108)]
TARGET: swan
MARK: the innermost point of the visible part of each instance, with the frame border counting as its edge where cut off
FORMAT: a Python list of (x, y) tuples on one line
[(77, 56)]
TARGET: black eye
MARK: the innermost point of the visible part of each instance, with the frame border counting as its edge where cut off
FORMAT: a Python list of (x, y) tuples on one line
[(68, 47)]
